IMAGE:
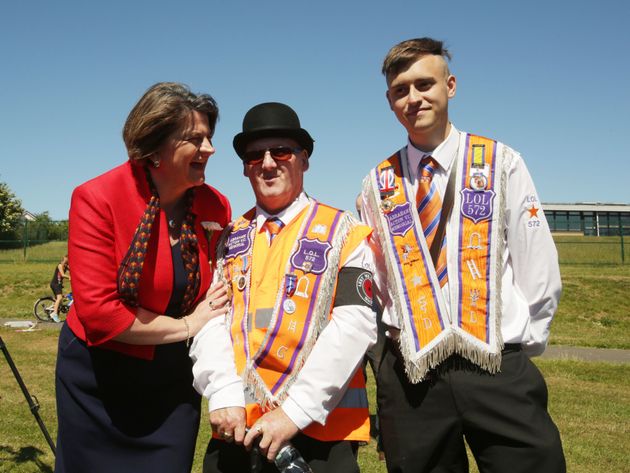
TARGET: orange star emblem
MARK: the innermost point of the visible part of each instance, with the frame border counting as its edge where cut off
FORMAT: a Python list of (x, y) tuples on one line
[(533, 212)]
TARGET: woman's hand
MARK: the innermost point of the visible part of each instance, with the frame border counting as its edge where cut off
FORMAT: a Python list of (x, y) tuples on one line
[(215, 304)]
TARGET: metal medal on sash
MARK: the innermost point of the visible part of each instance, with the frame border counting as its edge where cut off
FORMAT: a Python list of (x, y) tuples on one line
[(387, 187), (289, 306), (387, 205), (387, 181), (290, 284), (241, 280), (478, 180)]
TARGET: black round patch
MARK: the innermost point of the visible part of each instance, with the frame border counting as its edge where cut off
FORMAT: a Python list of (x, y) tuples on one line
[(364, 287)]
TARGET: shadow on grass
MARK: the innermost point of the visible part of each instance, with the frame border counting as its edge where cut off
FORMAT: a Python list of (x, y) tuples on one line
[(24, 455)]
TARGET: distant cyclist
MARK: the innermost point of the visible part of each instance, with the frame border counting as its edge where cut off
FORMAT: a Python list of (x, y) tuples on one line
[(62, 270)]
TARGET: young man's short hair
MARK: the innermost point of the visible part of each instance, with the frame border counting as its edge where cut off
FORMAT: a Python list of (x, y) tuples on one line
[(401, 56)]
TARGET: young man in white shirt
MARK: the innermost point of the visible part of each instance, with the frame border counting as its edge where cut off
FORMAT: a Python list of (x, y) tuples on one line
[(469, 296)]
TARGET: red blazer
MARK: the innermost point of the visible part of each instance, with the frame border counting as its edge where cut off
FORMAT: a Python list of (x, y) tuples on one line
[(104, 215)]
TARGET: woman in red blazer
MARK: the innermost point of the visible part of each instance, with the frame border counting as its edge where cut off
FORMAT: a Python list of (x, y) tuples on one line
[(142, 239)]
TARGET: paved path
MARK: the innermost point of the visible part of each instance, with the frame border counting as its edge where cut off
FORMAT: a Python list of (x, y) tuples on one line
[(609, 355), (556, 352)]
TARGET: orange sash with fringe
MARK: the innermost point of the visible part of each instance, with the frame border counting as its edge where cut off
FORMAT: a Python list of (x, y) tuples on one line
[(431, 329), (282, 300)]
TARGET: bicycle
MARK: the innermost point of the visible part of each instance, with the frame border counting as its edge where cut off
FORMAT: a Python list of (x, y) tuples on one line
[(44, 306)]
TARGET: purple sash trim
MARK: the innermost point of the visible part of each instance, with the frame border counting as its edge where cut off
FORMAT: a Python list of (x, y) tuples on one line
[(460, 301), (461, 227), (309, 314)]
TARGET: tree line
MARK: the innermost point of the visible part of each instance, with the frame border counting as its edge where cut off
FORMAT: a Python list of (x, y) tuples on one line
[(15, 229)]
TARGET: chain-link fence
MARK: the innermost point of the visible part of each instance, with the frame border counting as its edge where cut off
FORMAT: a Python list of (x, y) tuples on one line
[(579, 249), (572, 248), (37, 241)]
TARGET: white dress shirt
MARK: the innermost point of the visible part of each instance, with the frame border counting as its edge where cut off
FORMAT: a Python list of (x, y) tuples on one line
[(531, 284), (318, 387)]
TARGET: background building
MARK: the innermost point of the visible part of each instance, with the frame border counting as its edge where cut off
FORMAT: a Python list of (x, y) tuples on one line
[(591, 219)]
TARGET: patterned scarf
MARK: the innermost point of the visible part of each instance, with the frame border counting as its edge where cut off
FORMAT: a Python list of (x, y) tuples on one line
[(130, 270)]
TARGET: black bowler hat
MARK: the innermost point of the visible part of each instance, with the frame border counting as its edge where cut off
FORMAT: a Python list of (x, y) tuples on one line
[(272, 119)]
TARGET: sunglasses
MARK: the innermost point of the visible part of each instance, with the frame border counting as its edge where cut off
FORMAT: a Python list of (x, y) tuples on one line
[(278, 153)]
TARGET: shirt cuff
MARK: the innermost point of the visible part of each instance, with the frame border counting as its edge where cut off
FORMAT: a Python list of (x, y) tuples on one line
[(296, 413), (231, 395), (533, 349)]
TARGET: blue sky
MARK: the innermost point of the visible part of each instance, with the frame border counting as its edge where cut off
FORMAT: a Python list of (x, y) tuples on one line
[(550, 78)]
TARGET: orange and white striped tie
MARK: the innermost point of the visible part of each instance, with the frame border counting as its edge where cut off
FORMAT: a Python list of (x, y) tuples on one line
[(273, 226), (429, 206)]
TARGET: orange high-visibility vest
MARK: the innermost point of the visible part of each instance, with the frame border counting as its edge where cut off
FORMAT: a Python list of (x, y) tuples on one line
[(273, 338)]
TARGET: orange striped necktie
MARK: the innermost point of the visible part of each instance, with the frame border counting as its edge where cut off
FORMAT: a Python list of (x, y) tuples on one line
[(429, 206), (273, 226)]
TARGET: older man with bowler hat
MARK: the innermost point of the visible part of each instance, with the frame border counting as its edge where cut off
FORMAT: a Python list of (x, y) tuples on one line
[(301, 315)]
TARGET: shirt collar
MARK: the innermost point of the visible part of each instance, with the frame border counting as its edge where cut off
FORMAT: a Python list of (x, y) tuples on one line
[(285, 215), (444, 154)]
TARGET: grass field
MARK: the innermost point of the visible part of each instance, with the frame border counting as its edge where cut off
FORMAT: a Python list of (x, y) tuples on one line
[(21, 283), (590, 402), (577, 249), (595, 307), (594, 310), (50, 252)]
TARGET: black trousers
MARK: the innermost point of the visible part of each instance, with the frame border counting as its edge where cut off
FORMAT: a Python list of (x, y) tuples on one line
[(503, 417), (322, 457)]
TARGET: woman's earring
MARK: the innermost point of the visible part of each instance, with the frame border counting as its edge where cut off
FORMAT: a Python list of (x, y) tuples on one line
[(156, 163)]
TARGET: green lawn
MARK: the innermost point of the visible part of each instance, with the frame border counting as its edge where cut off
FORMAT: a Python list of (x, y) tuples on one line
[(589, 401), (50, 252), (21, 283), (594, 309), (577, 249)]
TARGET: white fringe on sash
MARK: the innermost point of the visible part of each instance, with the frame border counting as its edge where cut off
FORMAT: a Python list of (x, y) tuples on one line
[(469, 347), (416, 366), (452, 339)]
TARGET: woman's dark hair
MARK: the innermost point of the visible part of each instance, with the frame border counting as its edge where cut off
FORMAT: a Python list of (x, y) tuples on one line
[(163, 110)]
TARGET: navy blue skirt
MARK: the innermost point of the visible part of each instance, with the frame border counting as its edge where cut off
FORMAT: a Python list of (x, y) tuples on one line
[(121, 414)]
